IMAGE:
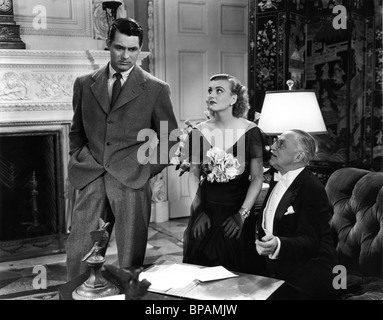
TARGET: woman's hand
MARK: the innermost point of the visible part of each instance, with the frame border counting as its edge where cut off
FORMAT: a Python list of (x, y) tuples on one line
[(201, 225), (233, 226)]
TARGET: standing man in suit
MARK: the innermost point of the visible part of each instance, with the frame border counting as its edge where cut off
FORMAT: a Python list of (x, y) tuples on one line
[(112, 107), (293, 229)]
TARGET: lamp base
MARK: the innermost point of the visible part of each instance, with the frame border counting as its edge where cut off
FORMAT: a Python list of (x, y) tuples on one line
[(96, 286)]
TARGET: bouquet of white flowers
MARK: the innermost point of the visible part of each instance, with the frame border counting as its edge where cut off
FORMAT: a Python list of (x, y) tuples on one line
[(222, 167)]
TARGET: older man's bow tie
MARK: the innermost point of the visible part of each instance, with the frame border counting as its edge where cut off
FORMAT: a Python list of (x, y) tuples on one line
[(279, 177)]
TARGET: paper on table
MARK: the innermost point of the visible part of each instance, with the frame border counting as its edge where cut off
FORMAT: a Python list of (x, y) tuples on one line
[(163, 278), (178, 276), (214, 273)]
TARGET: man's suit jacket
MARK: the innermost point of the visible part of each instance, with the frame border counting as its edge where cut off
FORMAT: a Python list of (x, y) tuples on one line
[(106, 140), (307, 247)]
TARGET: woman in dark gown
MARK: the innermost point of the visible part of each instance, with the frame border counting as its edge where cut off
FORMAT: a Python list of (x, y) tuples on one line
[(221, 229)]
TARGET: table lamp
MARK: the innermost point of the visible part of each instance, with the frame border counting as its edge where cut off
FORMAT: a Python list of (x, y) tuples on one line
[(291, 109)]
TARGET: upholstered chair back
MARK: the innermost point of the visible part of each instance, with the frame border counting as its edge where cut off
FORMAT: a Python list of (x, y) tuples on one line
[(356, 197)]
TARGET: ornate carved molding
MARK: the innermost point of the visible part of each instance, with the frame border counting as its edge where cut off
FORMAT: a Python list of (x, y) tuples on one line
[(42, 80), (45, 66), (100, 58), (151, 35), (158, 39), (36, 80), (33, 123), (41, 106), (41, 57)]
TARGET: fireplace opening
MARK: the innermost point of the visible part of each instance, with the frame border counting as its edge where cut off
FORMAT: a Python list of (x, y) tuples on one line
[(31, 186)]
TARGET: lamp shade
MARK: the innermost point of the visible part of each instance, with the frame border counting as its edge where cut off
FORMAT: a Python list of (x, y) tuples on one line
[(285, 110)]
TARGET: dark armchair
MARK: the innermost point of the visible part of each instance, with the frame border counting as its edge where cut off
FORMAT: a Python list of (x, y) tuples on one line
[(356, 198)]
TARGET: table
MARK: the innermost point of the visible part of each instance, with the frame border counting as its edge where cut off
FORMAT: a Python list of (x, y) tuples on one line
[(242, 287), (65, 291)]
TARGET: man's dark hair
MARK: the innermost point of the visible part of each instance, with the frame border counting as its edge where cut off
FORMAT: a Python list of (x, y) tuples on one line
[(128, 27)]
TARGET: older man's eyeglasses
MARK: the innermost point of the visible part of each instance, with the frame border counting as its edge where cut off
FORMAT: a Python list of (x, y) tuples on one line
[(280, 144)]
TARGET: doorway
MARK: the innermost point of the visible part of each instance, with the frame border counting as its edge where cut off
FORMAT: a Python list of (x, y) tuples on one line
[(194, 40)]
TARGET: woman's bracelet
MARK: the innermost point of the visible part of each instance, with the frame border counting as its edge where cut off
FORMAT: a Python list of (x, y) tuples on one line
[(244, 213)]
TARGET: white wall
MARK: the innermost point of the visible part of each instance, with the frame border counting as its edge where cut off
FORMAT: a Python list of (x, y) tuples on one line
[(63, 25)]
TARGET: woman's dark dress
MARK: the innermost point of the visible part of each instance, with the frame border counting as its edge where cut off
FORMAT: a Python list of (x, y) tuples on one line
[(220, 200)]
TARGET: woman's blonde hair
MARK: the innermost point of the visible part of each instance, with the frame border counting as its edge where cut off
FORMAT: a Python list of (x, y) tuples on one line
[(241, 106)]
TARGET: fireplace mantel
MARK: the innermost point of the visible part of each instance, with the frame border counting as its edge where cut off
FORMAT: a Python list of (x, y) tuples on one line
[(36, 85)]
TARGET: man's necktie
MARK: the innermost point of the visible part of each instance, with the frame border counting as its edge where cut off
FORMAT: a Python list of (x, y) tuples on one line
[(116, 89)]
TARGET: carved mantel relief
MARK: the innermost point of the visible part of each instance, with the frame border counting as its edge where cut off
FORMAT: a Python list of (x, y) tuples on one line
[(33, 80)]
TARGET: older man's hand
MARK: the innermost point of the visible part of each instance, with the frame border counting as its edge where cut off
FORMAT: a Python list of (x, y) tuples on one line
[(267, 245)]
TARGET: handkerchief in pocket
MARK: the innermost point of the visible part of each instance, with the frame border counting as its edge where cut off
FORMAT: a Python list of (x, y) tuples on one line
[(290, 210)]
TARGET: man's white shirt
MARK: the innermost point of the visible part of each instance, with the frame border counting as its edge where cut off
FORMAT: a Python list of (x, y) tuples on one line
[(272, 203)]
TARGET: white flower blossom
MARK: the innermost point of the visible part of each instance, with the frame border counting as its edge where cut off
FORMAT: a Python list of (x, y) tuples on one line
[(222, 167)]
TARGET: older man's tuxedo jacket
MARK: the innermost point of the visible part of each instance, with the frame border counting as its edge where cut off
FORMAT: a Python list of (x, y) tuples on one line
[(107, 140), (307, 254)]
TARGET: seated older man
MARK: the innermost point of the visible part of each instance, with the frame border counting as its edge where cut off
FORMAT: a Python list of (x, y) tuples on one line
[(294, 236)]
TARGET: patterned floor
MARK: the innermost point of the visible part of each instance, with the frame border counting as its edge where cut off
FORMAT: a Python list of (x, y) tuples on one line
[(18, 279)]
